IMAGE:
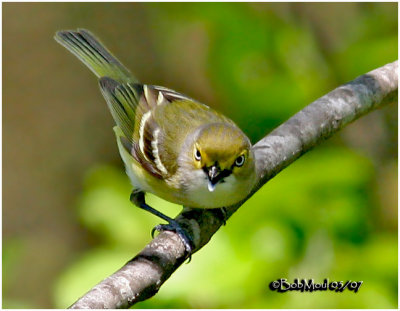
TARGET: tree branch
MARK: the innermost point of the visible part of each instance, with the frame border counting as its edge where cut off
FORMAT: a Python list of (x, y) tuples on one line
[(142, 276)]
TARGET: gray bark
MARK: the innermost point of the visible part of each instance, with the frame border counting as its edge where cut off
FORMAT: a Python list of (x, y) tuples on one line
[(142, 276)]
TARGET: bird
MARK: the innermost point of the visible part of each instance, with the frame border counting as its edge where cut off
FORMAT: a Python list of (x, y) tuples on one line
[(172, 146)]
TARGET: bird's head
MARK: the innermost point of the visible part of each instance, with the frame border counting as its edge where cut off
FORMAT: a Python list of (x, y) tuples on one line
[(220, 151)]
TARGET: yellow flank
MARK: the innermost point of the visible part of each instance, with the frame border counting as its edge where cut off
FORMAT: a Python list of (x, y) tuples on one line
[(140, 178)]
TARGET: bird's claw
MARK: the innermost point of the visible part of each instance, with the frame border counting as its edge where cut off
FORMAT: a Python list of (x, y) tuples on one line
[(185, 238)]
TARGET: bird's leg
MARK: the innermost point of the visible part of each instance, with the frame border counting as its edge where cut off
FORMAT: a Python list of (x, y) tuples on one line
[(137, 198), (221, 214)]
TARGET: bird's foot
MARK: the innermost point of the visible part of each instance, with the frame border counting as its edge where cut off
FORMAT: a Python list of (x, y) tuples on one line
[(183, 235)]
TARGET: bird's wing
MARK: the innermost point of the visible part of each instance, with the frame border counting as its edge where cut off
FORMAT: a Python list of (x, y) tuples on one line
[(127, 107), (122, 100), (94, 55), (132, 106)]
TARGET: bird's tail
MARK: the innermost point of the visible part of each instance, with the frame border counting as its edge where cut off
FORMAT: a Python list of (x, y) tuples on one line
[(94, 55)]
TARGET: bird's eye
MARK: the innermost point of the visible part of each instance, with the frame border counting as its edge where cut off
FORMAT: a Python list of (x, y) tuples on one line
[(197, 155), (240, 160)]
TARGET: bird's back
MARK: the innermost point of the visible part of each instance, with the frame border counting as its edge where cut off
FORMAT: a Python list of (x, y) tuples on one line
[(161, 118)]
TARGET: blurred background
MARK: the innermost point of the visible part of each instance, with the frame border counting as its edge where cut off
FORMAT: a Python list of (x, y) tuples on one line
[(67, 219)]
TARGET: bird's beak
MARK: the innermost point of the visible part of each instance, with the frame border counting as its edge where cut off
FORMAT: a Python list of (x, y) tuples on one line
[(212, 174), (215, 175)]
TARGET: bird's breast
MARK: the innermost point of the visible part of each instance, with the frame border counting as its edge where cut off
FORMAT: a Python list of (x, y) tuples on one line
[(196, 192)]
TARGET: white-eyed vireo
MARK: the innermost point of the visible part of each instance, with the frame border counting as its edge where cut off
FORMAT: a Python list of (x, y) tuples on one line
[(172, 146)]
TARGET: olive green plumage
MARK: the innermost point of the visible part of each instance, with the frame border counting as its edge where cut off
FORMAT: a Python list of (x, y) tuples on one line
[(172, 145)]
